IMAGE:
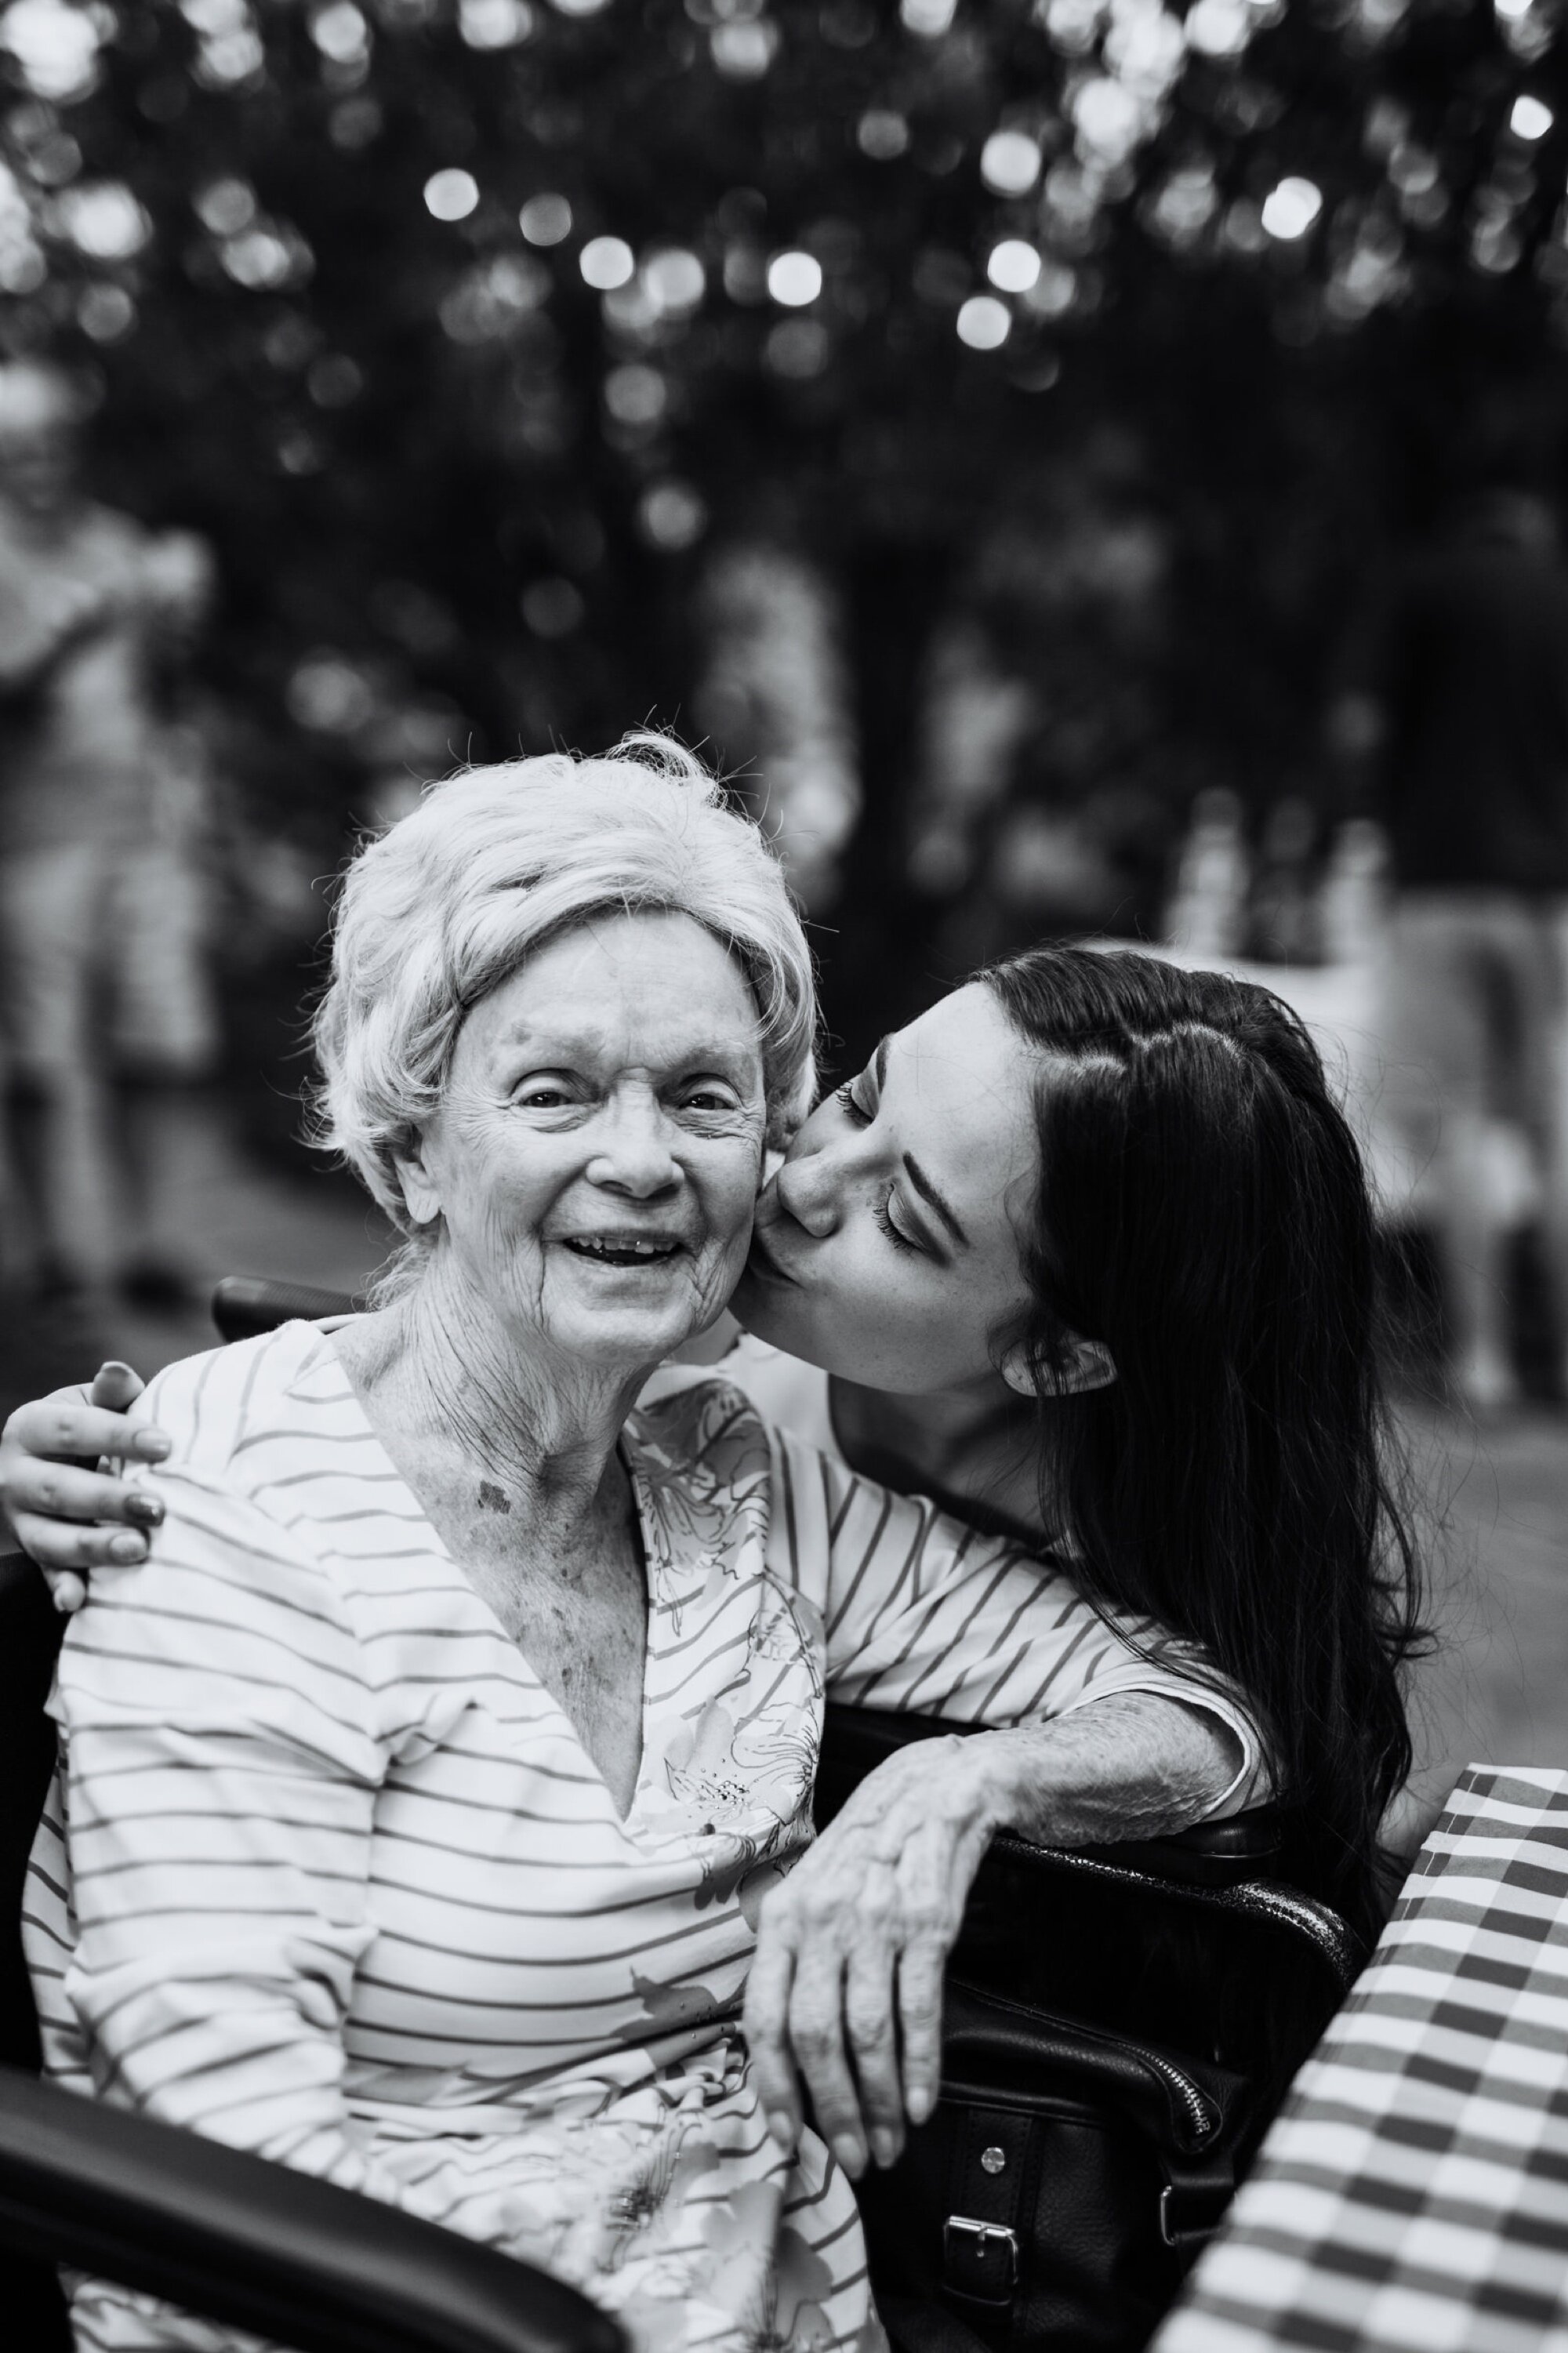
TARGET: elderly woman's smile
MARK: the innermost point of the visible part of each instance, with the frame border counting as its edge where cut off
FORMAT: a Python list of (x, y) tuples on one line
[(596, 1155)]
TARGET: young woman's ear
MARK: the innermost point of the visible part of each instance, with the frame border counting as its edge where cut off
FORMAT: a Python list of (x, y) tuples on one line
[(421, 1197), (1085, 1365)]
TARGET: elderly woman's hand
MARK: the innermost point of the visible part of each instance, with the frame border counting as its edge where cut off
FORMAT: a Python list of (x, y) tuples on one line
[(69, 1516), (847, 1982)]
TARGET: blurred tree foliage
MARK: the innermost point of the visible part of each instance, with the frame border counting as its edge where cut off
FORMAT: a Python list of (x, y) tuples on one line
[(465, 326)]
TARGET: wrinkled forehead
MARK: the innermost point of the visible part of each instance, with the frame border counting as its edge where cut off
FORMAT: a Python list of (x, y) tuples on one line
[(647, 990)]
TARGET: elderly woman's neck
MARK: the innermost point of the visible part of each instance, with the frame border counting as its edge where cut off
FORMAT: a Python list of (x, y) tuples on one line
[(442, 1365)]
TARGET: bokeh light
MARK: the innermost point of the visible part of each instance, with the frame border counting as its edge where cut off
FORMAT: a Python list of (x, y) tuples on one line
[(795, 279), (1290, 209), (671, 516), (605, 263), (54, 46), (452, 194), (104, 220), (983, 323), (1531, 118), (929, 18), (552, 607), (1014, 266), (495, 23), (545, 220), (882, 134), (675, 279), (1010, 162)]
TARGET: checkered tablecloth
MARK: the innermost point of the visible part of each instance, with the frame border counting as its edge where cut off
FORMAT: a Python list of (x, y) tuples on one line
[(1412, 2196)]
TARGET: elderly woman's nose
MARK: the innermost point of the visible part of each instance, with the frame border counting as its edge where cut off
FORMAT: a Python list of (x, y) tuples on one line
[(633, 1150)]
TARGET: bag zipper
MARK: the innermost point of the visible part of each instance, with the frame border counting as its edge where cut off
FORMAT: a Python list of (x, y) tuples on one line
[(1192, 2104)]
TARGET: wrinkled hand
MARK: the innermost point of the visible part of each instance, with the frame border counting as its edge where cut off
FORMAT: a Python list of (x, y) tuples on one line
[(846, 1981), (51, 1499)]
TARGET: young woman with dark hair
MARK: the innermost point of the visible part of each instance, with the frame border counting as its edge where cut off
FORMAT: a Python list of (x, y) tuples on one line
[(1175, 1379)]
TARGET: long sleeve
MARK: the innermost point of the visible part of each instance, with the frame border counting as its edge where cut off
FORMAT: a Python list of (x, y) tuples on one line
[(223, 1769), (922, 1613)]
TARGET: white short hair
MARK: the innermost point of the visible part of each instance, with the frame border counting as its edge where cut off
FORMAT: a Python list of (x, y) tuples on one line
[(446, 905)]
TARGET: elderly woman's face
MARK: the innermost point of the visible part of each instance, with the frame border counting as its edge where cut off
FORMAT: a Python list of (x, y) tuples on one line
[(597, 1157)]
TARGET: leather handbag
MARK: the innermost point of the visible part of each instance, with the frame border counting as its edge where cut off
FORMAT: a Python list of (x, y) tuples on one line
[(1059, 2192), (1118, 2026)]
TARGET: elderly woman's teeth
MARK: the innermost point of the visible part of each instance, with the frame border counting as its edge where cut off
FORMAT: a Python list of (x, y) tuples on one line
[(620, 1250)]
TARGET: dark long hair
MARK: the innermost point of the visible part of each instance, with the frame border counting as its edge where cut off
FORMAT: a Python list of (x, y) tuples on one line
[(1204, 1211)]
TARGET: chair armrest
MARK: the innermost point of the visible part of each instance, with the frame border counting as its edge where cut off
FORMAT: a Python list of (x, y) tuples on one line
[(245, 1305), (1210, 1854), (258, 2246)]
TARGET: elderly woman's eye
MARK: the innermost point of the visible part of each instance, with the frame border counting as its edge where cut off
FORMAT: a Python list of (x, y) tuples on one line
[(544, 1094), (711, 1099)]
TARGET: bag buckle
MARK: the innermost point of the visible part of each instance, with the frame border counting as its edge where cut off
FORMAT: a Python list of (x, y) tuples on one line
[(977, 2239), (1181, 2226)]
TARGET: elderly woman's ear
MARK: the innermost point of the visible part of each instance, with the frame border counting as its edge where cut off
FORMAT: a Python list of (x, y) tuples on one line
[(421, 1196)]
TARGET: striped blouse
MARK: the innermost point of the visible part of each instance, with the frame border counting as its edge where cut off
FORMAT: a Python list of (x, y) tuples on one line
[(329, 1875)]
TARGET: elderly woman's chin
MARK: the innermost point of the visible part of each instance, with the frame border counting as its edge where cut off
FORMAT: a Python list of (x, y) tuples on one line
[(616, 1314)]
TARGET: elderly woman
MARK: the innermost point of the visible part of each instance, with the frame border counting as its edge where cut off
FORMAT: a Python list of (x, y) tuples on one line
[(426, 1777)]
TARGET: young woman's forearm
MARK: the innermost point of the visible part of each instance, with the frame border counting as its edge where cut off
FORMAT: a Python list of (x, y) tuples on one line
[(1134, 1765)]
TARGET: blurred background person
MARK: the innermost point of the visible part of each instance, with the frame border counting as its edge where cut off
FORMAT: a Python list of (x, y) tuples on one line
[(99, 946), (1455, 718)]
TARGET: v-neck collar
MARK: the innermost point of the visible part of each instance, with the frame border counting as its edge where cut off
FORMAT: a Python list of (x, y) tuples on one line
[(653, 1544)]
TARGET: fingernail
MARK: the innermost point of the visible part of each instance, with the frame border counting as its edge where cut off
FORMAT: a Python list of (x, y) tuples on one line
[(850, 2155), (113, 1365), (919, 2104), (884, 2147), (152, 1445), (128, 1547), (145, 1509), (64, 1599)]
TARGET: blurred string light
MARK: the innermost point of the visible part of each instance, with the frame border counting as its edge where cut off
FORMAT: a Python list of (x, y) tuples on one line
[(104, 220), (229, 53), (494, 297), (675, 279), (983, 322), (545, 220), (552, 607), (496, 24), (797, 349), (1531, 118), (636, 396), (1014, 266), (341, 34), (1010, 162), (795, 279), (55, 46), (225, 206), (451, 194), (744, 50), (930, 18), (1219, 28), (579, 7), (882, 134), (1289, 210), (106, 314), (606, 262), (671, 516)]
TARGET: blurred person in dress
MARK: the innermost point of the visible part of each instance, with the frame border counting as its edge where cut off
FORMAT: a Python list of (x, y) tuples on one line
[(104, 999), (1452, 717)]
